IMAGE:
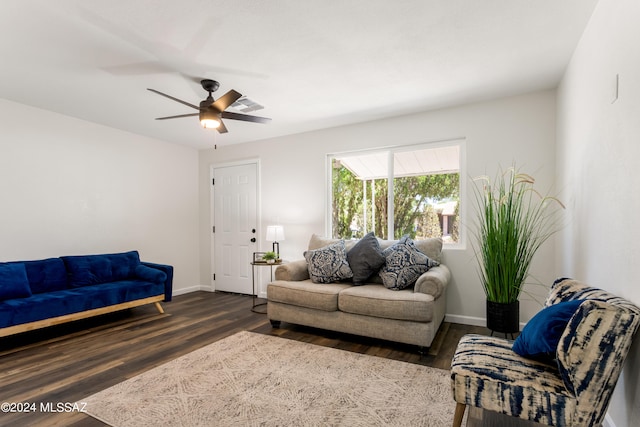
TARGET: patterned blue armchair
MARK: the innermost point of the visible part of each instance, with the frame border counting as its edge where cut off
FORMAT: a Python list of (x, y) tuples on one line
[(572, 389)]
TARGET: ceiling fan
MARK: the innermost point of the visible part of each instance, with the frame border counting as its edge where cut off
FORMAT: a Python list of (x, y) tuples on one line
[(211, 112)]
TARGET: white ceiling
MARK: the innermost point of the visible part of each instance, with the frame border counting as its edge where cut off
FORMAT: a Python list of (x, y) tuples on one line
[(313, 64)]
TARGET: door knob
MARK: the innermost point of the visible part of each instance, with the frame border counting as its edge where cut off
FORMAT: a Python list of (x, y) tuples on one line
[(253, 239)]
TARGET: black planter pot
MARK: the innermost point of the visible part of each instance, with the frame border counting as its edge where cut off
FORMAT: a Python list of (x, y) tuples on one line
[(503, 317)]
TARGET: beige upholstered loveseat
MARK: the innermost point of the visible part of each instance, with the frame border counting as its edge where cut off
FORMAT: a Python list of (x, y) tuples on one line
[(411, 315)]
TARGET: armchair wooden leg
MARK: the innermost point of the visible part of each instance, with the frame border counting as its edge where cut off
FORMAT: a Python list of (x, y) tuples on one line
[(159, 307), (457, 418)]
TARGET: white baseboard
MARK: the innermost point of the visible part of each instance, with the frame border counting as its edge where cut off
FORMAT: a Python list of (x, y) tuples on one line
[(469, 320), (465, 320), (608, 421), (190, 289)]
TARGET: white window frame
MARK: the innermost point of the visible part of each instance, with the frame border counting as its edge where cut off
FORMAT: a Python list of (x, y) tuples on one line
[(460, 142)]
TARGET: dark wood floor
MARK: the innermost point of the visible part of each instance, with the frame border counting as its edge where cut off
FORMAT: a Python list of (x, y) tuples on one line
[(69, 362)]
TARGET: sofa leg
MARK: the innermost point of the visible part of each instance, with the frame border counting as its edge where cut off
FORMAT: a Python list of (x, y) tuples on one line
[(274, 323), (159, 307), (457, 418)]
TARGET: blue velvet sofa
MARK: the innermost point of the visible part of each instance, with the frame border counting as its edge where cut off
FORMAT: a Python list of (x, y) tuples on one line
[(37, 294)]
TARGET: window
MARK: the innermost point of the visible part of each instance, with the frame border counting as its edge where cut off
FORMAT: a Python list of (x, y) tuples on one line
[(411, 190)]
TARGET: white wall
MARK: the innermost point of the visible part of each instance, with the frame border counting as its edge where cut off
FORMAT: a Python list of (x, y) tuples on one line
[(598, 170), (70, 187), (293, 175)]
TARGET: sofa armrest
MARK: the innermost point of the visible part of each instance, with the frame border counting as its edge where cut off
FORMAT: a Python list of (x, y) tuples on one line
[(434, 281), (150, 274), (293, 271), (168, 284)]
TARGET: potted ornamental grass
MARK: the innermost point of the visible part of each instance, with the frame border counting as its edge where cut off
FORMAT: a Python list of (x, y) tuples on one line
[(513, 221)]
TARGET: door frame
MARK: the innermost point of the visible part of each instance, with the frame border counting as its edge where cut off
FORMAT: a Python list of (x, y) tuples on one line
[(212, 259)]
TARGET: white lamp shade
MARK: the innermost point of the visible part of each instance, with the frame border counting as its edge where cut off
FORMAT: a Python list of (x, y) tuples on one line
[(275, 233)]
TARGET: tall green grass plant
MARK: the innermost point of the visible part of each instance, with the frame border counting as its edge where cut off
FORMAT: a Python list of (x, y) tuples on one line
[(513, 221)]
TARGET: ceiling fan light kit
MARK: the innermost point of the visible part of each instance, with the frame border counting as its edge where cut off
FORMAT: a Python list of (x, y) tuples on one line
[(209, 120), (211, 112)]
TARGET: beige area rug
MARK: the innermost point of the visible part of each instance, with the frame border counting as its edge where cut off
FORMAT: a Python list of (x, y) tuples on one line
[(250, 379)]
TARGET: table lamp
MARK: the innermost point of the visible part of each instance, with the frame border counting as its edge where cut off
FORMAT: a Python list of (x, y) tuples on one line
[(275, 233)]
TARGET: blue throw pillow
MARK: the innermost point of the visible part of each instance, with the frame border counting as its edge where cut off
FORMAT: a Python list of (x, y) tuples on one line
[(13, 281), (540, 336)]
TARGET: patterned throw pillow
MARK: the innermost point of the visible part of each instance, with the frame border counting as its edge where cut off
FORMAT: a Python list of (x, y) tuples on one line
[(328, 264), (404, 264)]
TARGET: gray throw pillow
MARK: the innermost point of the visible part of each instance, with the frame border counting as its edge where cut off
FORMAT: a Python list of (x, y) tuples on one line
[(365, 258), (328, 264), (404, 264)]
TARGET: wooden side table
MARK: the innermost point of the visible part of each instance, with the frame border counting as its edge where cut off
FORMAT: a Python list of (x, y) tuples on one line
[(255, 264)]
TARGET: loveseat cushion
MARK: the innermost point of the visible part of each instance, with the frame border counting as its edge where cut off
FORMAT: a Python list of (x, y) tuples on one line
[(431, 247), (320, 296), (378, 301), (86, 270), (13, 281), (317, 242)]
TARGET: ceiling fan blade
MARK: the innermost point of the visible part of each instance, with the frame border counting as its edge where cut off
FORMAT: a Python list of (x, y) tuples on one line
[(225, 100), (177, 117), (244, 117), (222, 128), (174, 99)]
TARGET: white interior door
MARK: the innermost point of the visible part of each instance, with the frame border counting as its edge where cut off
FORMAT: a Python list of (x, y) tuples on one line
[(235, 225)]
